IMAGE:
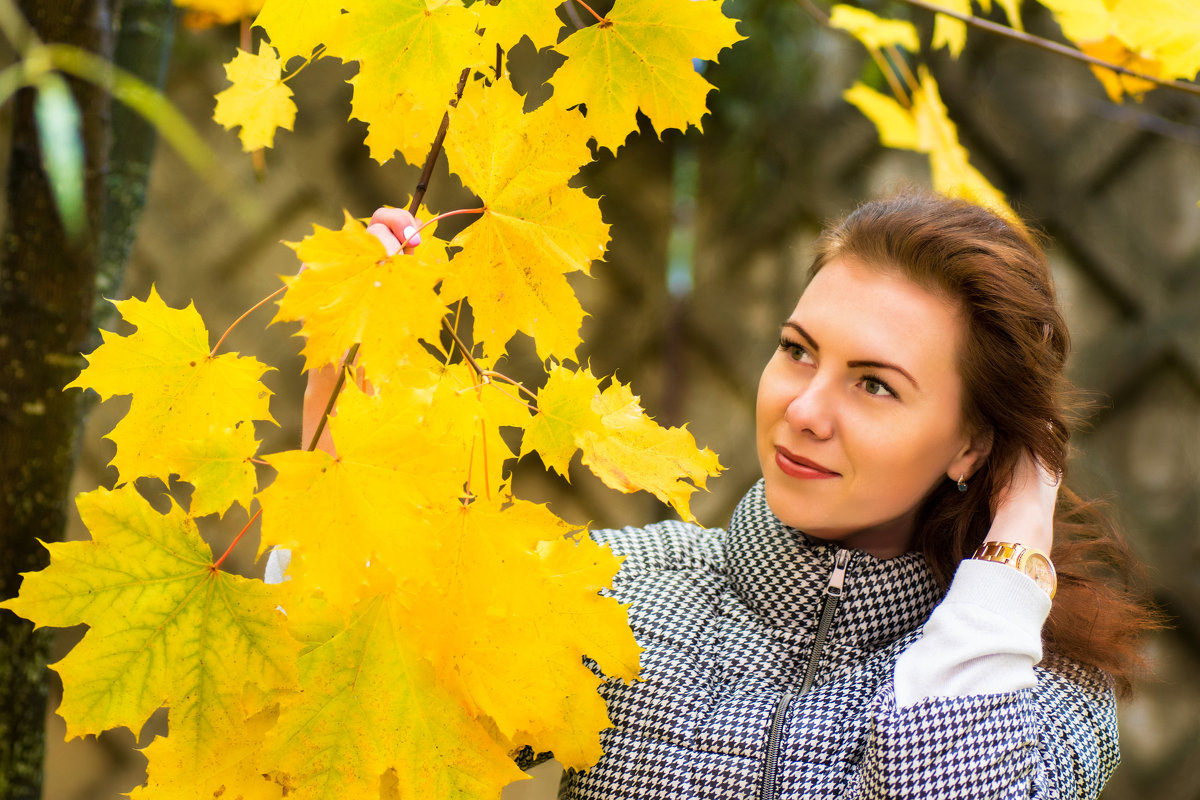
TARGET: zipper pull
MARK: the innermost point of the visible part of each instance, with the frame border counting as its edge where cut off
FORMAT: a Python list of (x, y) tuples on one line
[(837, 578)]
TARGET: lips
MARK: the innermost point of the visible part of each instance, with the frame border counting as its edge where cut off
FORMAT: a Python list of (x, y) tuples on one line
[(800, 467)]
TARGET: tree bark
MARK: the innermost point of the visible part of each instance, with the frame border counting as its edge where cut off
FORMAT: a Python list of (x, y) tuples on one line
[(48, 287)]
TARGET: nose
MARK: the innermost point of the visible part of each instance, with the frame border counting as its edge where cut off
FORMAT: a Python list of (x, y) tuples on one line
[(812, 409)]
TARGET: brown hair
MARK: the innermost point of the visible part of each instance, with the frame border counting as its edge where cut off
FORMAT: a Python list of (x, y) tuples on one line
[(1012, 368)]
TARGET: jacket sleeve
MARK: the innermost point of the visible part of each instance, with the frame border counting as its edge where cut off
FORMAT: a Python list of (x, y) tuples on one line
[(1057, 740), (968, 715)]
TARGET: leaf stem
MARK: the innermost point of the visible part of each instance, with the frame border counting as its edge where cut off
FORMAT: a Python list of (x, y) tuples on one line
[(245, 314), (1051, 46), (319, 52), (593, 13), (217, 564)]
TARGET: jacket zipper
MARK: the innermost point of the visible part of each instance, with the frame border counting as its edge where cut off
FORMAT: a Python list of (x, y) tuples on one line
[(829, 604)]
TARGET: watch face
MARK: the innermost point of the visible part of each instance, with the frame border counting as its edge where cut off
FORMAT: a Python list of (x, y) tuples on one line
[(1039, 568)]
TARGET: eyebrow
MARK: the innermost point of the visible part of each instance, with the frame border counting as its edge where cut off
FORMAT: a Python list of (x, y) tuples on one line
[(861, 363)]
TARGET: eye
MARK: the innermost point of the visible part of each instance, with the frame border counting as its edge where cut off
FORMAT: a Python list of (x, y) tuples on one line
[(795, 350), (873, 386)]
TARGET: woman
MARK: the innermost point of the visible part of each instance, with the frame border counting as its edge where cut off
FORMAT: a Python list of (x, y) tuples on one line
[(878, 620)]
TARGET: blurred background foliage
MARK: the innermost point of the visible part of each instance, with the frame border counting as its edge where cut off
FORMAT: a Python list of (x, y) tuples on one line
[(711, 235)]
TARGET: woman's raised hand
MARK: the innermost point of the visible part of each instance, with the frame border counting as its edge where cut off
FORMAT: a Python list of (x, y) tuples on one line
[(394, 227), (1025, 508)]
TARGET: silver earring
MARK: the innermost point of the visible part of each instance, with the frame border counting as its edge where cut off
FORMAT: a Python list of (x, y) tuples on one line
[(962, 485)]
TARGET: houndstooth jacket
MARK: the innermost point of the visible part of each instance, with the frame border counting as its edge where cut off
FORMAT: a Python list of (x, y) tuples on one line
[(736, 623)]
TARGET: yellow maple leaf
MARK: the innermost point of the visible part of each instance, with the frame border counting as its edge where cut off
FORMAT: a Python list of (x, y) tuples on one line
[(534, 227), (952, 171), (635, 452), (951, 33), (353, 292), (297, 27), (472, 410), (259, 101), (516, 608), (927, 128), (165, 626), (1117, 85), (370, 706), (397, 457), (641, 56), (873, 31), (896, 125), (203, 13), (232, 772), (1082, 20), (191, 413), (1165, 31), (506, 22), (410, 55)]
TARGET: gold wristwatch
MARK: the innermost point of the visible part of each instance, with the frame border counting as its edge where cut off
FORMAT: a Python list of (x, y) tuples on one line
[(1033, 563)]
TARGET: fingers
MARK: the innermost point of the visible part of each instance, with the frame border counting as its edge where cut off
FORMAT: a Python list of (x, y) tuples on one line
[(400, 227)]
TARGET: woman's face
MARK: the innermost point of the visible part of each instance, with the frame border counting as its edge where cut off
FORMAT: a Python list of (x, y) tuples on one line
[(860, 409)]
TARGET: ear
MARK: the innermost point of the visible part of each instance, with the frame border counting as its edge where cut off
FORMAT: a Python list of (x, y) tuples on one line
[(972, 455)]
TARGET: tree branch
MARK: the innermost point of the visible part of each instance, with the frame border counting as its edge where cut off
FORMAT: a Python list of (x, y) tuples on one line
[(1050, 46)]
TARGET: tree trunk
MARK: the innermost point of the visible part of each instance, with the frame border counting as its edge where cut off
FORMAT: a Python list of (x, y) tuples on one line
[(48, 287)]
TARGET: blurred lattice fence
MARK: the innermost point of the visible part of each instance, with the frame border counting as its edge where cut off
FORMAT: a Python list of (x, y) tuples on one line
[(710, 238)]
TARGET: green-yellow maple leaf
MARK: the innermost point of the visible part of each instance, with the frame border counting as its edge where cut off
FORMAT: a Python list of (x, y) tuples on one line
[(508, 617), (410, 55), (191, 412), (353, 292), (166, 626), (564, 412), (534, 227), (640, 56), (635, 452), (369, 706), (259, 101), (873, 31)]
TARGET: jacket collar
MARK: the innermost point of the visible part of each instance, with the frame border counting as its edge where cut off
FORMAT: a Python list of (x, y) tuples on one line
[(781, 574)]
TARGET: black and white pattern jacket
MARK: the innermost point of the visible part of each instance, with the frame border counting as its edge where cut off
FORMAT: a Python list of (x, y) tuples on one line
[(759, 681)]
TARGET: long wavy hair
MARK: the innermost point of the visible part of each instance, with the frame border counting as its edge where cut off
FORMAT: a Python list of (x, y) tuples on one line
[(1012, 367)]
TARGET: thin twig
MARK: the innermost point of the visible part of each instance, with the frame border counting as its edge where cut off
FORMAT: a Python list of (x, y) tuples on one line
[(245, 314), (1053, 47), (462, 347), (436, 147)]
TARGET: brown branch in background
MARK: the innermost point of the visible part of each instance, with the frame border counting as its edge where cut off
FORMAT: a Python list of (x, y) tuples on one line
[(1053, 47)]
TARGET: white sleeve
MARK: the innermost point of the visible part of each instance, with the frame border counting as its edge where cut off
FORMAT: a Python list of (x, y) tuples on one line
[(983, 638), (277, 563)]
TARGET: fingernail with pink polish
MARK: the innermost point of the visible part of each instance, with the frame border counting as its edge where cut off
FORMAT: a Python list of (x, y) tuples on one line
[(411, 236)]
